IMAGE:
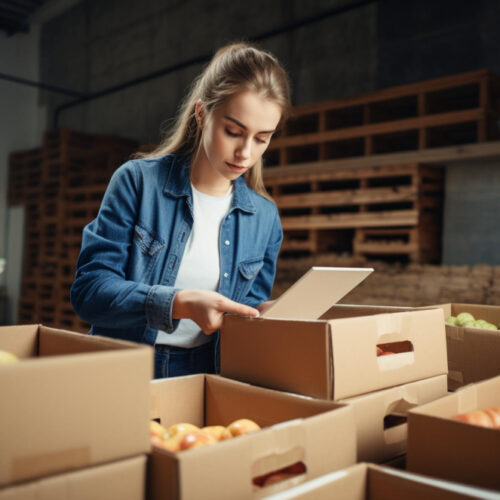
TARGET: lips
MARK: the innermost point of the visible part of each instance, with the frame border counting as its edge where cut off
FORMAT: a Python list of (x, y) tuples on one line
[(235, 168)]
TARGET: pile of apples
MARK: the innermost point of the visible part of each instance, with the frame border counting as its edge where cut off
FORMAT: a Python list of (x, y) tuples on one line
[(490, 417), (467, 320), (184, 436)]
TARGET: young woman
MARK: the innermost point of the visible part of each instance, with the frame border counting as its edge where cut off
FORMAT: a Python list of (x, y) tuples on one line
[(187, 233)]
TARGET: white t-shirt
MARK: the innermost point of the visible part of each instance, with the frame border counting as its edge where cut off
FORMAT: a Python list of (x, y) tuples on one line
[(200, 266)]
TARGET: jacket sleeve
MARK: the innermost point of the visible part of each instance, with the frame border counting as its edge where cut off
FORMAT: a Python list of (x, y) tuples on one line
[(263, 284), (101, 293)]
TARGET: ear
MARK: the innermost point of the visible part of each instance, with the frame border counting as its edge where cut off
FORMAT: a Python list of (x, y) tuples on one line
[(199, 113)]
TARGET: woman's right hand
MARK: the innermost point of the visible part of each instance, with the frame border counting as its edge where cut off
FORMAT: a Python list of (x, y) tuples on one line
[(207, 308)]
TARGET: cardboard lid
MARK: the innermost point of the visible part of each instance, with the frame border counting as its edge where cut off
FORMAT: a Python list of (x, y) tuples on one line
[(316, 291)]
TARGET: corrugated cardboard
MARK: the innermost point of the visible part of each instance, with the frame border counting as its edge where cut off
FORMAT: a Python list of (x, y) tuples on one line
[(334, 357), (372, 482), (123, 480), (381, 416), (473, 353), (317, 432), (441, 447), (72, 401)]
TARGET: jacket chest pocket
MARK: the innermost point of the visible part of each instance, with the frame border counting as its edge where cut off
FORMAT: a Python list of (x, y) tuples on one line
[(247, 272), (147, 250)]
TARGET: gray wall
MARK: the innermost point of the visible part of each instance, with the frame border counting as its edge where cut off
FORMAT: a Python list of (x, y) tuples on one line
[(472, 214)]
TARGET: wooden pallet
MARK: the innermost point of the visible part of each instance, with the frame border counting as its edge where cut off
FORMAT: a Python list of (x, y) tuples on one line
[(61, 184), (320, 209), (458, 109)]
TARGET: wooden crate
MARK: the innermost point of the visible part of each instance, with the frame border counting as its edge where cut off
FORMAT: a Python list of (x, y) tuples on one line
[(459, 109)]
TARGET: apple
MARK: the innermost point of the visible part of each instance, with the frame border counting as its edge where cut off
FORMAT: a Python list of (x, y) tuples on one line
[(451, 320), (277, 477), (464, 317), (214, 430), (156, 429), (182, 428), (494, 414), (240, 427), (195, 439), (7, 357), (477, 417)]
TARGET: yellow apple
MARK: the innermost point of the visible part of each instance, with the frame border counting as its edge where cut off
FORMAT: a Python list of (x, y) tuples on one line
[(215, 430), (180, 429), (240, 427)]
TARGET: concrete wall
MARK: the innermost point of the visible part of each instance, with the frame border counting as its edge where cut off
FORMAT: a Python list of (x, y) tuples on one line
[(472, 214)]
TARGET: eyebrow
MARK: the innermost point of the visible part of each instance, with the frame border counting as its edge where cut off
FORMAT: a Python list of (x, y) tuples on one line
[(244, 127)]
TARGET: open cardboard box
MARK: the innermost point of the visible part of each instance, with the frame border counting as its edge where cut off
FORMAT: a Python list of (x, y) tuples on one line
[(381, 416), (335, 356), (442, 447), (473, 353), (372, 482), (71, 401), (318, 433), (121, 480)]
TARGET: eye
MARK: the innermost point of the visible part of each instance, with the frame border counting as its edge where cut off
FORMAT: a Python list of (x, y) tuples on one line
[(260, 141), (232, 133)]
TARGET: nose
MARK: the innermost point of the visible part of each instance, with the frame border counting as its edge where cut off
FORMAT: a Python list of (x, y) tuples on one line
[(244, 149)]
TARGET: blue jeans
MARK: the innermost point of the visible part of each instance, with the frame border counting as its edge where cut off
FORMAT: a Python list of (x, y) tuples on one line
[(173, 361)]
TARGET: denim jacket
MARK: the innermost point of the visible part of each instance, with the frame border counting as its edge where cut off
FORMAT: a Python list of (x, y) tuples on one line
[(126, 271)]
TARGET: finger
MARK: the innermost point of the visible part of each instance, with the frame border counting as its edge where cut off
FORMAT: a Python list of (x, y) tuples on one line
[(236, 308)]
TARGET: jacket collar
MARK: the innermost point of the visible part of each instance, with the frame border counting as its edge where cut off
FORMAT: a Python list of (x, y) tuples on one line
[(178, 184)]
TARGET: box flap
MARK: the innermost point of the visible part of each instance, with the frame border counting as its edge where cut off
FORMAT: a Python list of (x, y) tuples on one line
[(316, 291), (295, 356)]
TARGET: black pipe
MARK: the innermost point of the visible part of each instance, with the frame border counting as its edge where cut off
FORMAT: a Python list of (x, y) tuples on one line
[(206, 57), (40, 85)]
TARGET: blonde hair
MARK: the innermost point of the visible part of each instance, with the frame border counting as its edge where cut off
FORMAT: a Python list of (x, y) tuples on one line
[(233, 68)]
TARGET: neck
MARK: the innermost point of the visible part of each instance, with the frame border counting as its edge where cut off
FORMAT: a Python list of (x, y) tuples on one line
[(205, 179)]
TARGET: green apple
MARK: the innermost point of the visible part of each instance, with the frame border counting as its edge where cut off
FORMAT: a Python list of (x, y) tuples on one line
[(451, 320), (464, 317)]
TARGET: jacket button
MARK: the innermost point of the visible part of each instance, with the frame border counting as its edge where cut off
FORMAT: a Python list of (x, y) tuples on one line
[(227, 243), (226, 275)]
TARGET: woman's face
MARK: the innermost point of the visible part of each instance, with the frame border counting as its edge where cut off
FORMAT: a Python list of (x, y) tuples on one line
[(236, 134)]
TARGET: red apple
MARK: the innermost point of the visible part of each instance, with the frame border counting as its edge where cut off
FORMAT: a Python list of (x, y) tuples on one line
[(196, 439)]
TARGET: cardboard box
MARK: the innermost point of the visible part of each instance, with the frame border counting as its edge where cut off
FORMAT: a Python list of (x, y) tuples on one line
[(441, 447), (381, 416), (473, 353), (72, 401), (319, 433), (372, 482), (123, 480), (335, 357)]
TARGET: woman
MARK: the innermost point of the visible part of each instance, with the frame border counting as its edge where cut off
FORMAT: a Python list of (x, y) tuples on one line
[(187, 233)]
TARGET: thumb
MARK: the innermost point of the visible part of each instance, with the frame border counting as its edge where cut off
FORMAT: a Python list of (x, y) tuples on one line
[(231, 306)]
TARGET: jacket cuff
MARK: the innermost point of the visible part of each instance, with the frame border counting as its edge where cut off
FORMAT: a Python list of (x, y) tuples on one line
[(159, 304)]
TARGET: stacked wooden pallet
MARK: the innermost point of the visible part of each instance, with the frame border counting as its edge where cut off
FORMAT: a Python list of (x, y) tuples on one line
[(61, 185), (448, 111)]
